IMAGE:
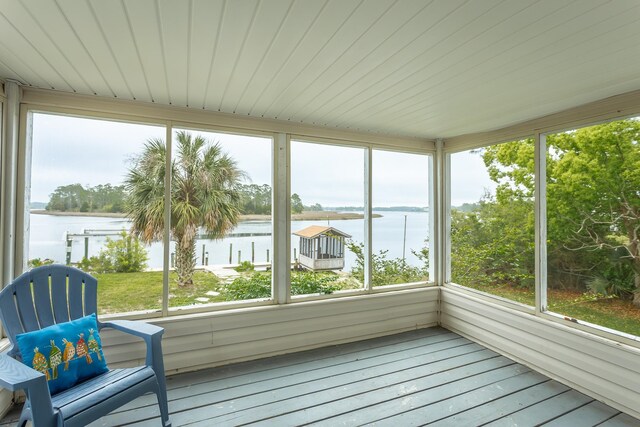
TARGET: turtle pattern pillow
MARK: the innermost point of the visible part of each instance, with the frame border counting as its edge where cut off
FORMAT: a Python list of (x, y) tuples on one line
[(67, 353)]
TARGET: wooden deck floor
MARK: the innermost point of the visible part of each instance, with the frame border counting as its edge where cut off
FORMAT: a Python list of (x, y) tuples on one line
[(425, 377)]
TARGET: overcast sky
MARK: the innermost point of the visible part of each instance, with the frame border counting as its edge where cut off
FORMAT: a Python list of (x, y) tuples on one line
[(69, 150)]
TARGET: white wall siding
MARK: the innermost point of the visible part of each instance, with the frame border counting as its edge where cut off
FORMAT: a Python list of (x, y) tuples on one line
[(604, 369), (209, 339)]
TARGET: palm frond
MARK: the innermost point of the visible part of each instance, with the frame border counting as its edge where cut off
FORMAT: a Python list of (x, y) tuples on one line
[(205, 191)]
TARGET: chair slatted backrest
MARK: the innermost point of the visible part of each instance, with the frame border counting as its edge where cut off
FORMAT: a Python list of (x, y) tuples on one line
[(46, 296)]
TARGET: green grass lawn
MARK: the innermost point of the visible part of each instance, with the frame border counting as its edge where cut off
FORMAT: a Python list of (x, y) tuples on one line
[(126, 292), (612, 313), (123, 292)]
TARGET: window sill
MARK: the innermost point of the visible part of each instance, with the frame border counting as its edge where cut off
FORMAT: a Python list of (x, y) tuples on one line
[(492, 298)]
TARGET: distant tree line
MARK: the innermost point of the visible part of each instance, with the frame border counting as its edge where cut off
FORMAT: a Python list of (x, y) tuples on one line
[(379, 208), (256, 199), (76, 198)]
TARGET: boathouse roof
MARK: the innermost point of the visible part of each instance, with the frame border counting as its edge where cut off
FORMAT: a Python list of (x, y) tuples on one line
[(316, 230)]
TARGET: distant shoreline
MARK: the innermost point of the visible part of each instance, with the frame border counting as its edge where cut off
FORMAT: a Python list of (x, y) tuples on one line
[(304, 216)]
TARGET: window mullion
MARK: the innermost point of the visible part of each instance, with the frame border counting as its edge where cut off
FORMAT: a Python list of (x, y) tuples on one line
[(540, 207), (368, 226), (437, 211), (167, 221), (281, 214)]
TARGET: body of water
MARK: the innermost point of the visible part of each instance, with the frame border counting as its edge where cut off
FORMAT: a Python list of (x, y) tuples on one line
[(47, 238)]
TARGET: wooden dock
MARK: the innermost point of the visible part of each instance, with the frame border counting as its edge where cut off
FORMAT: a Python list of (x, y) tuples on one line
[(424, 377)]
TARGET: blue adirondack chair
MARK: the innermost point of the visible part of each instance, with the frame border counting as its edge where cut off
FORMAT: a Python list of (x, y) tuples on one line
[(54, 294)]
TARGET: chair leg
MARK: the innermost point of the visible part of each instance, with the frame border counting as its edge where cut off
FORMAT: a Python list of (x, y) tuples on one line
[(161, 394), (23, 421), (158, 367)]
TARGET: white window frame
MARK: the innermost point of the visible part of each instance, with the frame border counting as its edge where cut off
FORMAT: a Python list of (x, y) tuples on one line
[(281, 209), (540, 309)]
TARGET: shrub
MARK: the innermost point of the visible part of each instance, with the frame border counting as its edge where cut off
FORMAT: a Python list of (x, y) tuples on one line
[(124, 255), (388, 271), (37, 262), (307, 282), (258, 285), (244, 266)]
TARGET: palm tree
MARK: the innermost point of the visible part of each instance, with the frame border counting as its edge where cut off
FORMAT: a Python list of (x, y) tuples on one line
[(205, 192)]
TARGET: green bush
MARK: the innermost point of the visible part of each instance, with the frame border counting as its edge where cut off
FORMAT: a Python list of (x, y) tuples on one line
[(124, 255), (37, 262), (244, 266), (389, 271), (306, 282), (258, 285)]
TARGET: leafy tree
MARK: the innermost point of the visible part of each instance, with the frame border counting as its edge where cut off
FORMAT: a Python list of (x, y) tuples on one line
[(205, 192), (66, 198), (316, 207), (593, 202), (493, 244), (387, 271), (296, 204), (256, 199), (596, 194)]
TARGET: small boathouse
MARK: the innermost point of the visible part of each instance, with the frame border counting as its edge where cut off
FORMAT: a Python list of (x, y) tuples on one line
[(321, 248)]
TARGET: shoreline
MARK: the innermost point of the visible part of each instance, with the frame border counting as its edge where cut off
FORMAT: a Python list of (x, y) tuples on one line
[(304, 216)]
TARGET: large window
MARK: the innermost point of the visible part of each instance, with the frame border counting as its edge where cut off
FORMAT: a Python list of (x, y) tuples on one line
[(327, 218), (97, 198), (77, 207), (231, 247), (492, 220), (593, 223), (400, 184), (97, 201)]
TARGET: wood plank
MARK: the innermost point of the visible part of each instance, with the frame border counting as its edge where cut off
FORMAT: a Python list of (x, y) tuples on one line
[(338, 409), (337, 398), (505, 405), (394, 406), (592, 414), (362, 348), (621, 420), (417, 413), (429, 376), (545, 411), (228, 395), (248, 372)]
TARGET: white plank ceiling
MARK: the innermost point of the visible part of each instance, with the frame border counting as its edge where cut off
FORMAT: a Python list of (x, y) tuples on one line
[(419, 68)]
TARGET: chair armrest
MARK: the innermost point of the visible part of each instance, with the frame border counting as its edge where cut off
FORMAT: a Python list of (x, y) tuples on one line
[(137, 328), (15, 375), (152, 336)]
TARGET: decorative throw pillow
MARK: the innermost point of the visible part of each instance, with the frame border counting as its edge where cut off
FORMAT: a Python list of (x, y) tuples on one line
[(67, 353)]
